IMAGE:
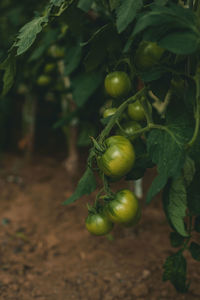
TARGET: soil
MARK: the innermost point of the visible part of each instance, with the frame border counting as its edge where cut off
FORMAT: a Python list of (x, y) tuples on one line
[(47, 254)]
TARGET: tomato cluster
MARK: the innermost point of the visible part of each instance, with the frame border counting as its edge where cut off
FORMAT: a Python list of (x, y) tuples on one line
[(116, 156)]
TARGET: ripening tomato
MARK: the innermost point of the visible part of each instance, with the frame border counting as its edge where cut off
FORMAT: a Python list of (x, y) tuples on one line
[(118, 158), (98, 224), (117, 84), (129, 127), (148, 55), (123, 208)]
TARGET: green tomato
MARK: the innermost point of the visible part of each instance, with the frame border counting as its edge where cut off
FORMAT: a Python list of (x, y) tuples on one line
[(135, 220), (109, 112), (148, 55), (123, 208), (49, 68), (43, 80), (118, 158), (117, 84), (136, 111), (129, 127), (98, 224)]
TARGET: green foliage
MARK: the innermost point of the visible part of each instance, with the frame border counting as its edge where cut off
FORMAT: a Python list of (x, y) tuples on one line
[(175, 205), (168, 154), (86, 185), (175, 270), (195, 250), (28, 34), (126, 13), (72, 58), (85, 4), (194, 194), (9, 68), (84, 85)]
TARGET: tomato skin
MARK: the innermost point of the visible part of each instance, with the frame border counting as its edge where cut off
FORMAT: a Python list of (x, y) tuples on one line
[(109, 112), (98, 224), (119, 157), (117, 84), (129, 127), (135, 220), (123, 208), (147, 55)]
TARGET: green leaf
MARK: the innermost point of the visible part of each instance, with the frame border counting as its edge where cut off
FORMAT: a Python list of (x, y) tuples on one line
[(9, 68), (167, 152), (86, 185), (126, 13), (57, 3), (84, 85), (175, 205), (194, 194), (188, 170), (114, 4), (85, 5), (195, 250), (175, 268), (72, 58), (28, 34), (180, 42), (176, 239), (87, 129)]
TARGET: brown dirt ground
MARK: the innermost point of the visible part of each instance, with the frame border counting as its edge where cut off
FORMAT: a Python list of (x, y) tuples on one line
[(47, 254)]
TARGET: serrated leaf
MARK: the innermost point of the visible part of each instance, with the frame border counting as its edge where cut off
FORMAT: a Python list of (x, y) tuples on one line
[(84, 85), (126, 13), (9, 68), (28, 34), (167, 152), (195, 250), (175, 205), (188, 170), (85, 4), (86, 185), (176, 239), (175, 268), (72, 58)]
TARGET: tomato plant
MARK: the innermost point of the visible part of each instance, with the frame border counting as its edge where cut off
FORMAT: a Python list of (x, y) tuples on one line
[(155, 49), (117, 84), (109, 112)]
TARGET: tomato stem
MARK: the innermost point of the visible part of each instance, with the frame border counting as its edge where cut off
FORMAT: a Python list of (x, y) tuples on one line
[(197, 112)]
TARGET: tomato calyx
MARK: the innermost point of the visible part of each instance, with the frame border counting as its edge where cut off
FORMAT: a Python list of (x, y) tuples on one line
[(99, 149)]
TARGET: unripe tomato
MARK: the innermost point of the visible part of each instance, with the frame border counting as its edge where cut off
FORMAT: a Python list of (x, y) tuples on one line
[(56, 51), (98, 224), (109, 112), (135, 220), (129, 127), (136, 111), (117, 84), (43, 80), (147, 55), (123, 208), (49, 68), (118, 158)]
